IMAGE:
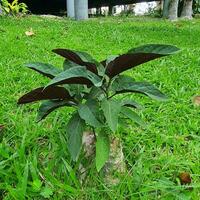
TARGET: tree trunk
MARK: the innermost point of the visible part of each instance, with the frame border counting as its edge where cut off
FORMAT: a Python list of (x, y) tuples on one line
[(110, 9), (81, 9), (173, 10), (98, 11), (187, 9), (131, 7), (125, 8), (70, 8)]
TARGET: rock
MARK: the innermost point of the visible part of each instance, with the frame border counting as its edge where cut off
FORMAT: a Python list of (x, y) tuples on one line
[(51, 16), (29, 33)]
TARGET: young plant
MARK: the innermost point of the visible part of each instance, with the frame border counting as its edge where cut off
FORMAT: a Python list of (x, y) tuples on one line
[(14, 8), (92, 89)]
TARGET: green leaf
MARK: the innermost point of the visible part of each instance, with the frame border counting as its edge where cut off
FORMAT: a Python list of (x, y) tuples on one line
[(160, 49), (76, 75), (47, 192), (72, 173), (49, 106), (111, 109), (75, 130), (68, 64), (102, 150), (130, 103), (109, 60), (78, 57), (101, 69), (137, 56), (44, 94), (119, 81), (36, 185), (89, 112), (24, 180), (132, 115), (62, 185), (75, 90), (95, 93), (138, 87), (44, 69)]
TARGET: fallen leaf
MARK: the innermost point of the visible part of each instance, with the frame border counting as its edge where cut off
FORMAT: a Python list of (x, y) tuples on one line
[(185, 178), (29, 33), (196, 100)]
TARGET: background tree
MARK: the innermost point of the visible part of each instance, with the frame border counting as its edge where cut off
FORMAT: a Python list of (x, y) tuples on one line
[(196, 6), (173, 10), (110, 9), (187, 10)]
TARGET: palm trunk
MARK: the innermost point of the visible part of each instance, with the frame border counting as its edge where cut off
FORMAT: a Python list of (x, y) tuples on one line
[(70, 8), (187, 9), (81, 9), (173, 10)]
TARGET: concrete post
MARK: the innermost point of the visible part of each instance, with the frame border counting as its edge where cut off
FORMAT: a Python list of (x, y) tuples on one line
[(166, 4), (81, 9), (70, 8)]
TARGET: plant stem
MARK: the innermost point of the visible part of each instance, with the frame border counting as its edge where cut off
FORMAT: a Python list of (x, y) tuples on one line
[(112, 96), (107, 88), (104, 91), (95, 137)]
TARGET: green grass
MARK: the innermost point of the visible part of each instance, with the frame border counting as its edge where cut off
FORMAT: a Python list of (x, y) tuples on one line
[(31, 154)]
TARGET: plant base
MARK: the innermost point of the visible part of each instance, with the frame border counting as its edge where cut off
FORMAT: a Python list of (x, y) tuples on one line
[(115, 164)]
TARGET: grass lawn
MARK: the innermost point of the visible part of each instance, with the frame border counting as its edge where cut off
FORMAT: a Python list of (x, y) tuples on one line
[(31, 154)]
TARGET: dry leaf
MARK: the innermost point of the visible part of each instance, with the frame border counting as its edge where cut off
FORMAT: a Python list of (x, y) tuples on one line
[(185, 178), (196, 100), (30, 32)]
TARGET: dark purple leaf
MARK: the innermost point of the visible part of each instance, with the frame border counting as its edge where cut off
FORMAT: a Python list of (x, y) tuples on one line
[(76, 75), (137, 56), (41, 94), (80, 58), (49, 106)]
